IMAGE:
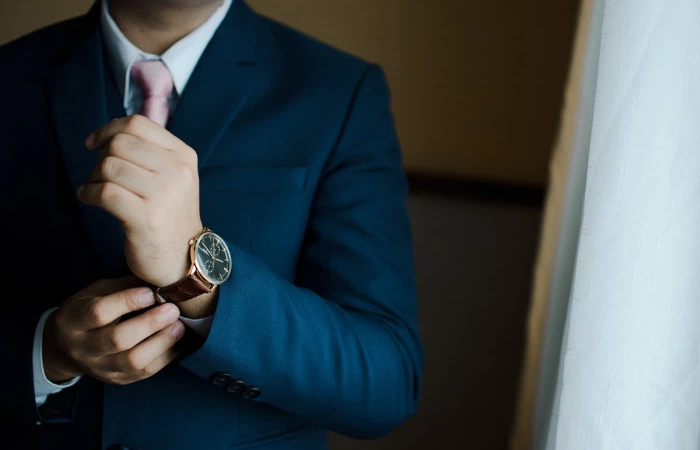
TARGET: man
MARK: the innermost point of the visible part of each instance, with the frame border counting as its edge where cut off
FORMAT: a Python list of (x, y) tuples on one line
[(205, 229)]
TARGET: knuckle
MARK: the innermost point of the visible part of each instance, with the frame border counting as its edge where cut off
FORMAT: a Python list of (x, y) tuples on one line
[(115, 342), (108, 192), (149, 371), (191, 157), (154, 222), (134, 122), (110, 165), (155, 320), (60, 319), (96, 313), (118, 381), (132, 300), (118, 142), (73, 353), (134, 362)]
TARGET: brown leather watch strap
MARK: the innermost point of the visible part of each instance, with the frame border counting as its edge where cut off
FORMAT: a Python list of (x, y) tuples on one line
[(185, 289)]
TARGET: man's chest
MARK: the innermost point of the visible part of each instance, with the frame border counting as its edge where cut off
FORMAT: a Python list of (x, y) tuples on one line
[(256, 191)]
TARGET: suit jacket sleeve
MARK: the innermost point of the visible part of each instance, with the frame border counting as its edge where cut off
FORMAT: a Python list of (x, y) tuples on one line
[(339, 347), (17, 397)]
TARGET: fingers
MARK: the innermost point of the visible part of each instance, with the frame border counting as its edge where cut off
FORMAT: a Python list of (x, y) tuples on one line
[(146, 353), (110, 286), (124, 173), (138, 126), (125, 335), (159, 363), (135, 150), (99, 312), (153, 368), (113, 198)]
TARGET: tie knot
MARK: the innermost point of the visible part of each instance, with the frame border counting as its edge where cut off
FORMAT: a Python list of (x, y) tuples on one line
[(153, 77)]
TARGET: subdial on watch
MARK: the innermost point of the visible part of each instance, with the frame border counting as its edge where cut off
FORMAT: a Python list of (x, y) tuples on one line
[(216, 249)]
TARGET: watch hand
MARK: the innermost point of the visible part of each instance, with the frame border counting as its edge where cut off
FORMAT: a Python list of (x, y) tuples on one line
[(207, 250)]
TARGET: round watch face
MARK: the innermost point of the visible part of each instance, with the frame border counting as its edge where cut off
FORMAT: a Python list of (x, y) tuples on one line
[(212, 258)]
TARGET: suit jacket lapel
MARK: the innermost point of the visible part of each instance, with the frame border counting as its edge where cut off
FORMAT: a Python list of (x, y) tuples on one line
[(226, 76), (78, 106)]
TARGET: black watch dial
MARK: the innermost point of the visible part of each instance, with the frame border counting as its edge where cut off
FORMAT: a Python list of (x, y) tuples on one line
[(212, 258)]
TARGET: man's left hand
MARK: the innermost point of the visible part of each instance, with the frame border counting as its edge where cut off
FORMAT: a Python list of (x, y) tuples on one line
[(148, 179)]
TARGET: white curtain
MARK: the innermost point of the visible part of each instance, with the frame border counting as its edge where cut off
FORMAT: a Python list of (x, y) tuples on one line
[(613, 351)]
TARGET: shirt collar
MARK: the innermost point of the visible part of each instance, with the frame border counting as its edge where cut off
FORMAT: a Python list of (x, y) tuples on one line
[(181, 58)]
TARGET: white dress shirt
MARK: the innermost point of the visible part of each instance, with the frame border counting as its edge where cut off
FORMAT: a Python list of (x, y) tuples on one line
[(180, 59)]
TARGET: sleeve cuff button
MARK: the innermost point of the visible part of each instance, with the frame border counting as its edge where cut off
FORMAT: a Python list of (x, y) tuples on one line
[(220, 379), (251, 393), (236, 387)]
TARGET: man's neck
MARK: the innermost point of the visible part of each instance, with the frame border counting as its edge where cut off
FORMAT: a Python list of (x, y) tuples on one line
[(154, 26)]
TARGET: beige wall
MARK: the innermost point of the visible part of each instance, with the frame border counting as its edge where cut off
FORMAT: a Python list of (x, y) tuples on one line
[(476, 84)]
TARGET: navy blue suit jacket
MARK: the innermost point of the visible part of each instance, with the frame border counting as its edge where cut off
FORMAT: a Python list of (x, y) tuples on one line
[(300, 172)]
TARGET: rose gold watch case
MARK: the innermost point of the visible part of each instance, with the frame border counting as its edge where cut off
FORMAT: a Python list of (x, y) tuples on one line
[(195, 269)]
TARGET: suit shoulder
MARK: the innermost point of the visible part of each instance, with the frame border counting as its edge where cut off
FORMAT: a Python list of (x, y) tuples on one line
[(39, 49), (312, 54)]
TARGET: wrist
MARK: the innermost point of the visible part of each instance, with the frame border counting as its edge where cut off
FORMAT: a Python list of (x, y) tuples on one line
[(57, 366), (177, 272), (181, 260)]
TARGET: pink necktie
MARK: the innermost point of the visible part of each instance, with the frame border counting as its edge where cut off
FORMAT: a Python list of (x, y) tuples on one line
[(156, 83)]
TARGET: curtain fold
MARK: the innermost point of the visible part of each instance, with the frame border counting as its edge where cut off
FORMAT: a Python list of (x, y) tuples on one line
[(613, 353), (554, 267)]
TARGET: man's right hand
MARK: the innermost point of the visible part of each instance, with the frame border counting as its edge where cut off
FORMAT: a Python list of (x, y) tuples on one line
[(86, 335)]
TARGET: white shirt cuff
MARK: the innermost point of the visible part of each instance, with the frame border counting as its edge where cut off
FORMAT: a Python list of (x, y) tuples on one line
[(42, 386), (199, 326)]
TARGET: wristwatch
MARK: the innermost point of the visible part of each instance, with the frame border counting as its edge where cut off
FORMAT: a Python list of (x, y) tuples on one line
[(210, 266)]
